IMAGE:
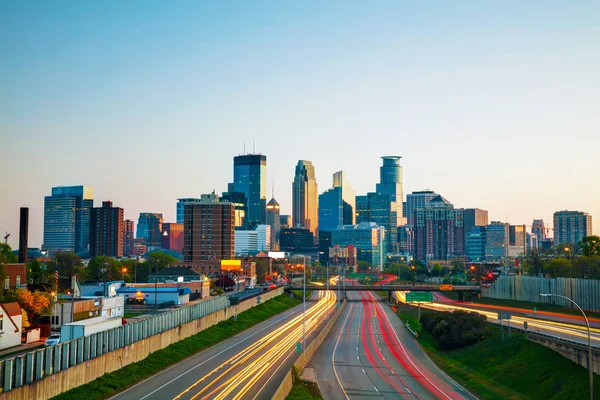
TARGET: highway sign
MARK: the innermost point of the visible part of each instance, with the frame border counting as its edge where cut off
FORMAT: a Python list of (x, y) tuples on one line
[(503, 316), (419, 297), (445, 287)]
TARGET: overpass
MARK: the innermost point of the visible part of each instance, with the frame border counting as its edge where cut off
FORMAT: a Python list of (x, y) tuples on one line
[(461, 289)]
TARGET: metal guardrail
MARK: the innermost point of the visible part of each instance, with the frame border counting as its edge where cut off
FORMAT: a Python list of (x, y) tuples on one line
[(36, 365)]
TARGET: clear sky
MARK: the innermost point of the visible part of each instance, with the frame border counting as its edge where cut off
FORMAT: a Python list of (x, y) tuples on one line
[(494, 104)]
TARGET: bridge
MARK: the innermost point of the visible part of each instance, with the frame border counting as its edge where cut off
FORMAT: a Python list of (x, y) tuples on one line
[(461, 289)]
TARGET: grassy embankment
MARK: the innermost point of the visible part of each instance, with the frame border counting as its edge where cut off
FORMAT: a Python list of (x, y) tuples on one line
[(115, 382), (513, 369)]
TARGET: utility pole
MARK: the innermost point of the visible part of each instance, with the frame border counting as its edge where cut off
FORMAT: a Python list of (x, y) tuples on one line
[(304, 302)]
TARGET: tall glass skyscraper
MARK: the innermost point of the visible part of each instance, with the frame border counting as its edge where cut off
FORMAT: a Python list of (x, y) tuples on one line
[(390, 181), (67, 219), (337, 205), (305, 198), (250, 178)]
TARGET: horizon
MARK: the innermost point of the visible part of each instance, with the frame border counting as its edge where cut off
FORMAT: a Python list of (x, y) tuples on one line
[(492, 105)]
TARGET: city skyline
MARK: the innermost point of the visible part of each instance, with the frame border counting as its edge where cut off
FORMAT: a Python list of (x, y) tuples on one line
[(479, 100)]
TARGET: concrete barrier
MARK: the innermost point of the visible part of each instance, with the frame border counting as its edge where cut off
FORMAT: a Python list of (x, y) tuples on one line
[(288, 382), (89, 370)]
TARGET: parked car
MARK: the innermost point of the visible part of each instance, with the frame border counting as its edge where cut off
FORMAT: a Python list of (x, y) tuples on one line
[(52, 340)]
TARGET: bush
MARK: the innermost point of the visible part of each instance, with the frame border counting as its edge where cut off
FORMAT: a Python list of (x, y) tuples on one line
[(454, 330)]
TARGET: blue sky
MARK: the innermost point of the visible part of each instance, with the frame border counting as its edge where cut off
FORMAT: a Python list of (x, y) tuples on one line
[(493, 104)]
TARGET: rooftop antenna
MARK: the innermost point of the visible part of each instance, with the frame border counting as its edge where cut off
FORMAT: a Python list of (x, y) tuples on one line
[(273, 190), (244, 148), (253, 149)]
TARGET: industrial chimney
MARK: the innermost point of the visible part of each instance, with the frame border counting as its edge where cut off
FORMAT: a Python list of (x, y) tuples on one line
[(23, 234)]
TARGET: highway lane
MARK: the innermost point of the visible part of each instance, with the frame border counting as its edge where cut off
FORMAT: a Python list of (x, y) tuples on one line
[(370, 354), (250, 365), (564, 330)]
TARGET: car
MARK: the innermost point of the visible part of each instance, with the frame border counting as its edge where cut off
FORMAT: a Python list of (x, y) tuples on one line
[(52, 340), (272, 286)]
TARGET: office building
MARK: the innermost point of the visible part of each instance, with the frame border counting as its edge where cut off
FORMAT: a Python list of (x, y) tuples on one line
[(571, 226), (128, 236), (296, 240), (149, 227), (517, 240), (305, 198), (172, 237), (180, 207), (274, 221), (285, 221), (67, 219), (106, 231), (251, 241), (240, 207), (539, 229), (384, 206), (416, 200), (474, 217), (209, 230), (337, 205), (366, 237), (475, 244), (438, 231), (497, 241), (406, 240), (139, 247), (250, 178)]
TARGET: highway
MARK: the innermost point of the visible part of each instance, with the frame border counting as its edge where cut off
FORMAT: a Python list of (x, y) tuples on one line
[(250, 365), (559, 329), (370, 354)]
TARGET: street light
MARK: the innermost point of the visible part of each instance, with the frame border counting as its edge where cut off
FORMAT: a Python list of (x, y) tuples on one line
[(304, 305), (590, 359), (568, 250)]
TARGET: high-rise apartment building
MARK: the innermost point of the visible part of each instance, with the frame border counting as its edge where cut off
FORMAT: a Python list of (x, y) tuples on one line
[(240, 206), (571, 226), (439, 231), (384, 206), (474, 217), (416, 200), (539, 230), (497, 241), (475, 244), (128, 236), (209, 230), (67, 219), (172, 237), (365, 237), (305, 198), (180, 207), (250, 178), (106, 231), (149, 227), (274, 221)]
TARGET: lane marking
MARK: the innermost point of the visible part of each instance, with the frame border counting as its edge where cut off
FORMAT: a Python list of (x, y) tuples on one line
[(333, 355), (375, 389)]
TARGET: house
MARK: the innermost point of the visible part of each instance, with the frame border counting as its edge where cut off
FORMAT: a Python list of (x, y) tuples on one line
[(16, 275), (11, 319)]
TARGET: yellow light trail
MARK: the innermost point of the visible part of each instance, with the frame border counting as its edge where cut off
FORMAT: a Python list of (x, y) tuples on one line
[(267, 350)]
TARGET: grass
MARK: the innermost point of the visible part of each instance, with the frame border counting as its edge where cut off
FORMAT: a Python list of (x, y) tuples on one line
[(513, 369), (304, 390), (115, 382), (529, 306)]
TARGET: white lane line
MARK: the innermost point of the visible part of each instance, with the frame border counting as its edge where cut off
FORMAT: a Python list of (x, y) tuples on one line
[(203, 362), (375, 389), (363, 370), (408, 390), (333, 355)]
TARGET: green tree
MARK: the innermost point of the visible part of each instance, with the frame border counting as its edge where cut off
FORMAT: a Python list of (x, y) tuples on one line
[(534, 261), (156, 261), (587, 267), (103, 268), (6, 254), (558, 268), (458, 265), (35, 271), (363, 265), (590, 246), (67, 264)]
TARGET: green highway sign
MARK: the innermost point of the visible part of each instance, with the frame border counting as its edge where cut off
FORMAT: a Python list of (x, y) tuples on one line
[(419, 297)]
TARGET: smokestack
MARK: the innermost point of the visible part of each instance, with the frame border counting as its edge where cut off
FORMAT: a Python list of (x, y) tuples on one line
[(23, 234)]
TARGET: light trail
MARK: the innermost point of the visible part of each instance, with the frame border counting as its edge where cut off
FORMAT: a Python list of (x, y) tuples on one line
[(259, 357)]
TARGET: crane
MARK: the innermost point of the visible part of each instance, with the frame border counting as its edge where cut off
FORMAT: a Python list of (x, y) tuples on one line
[(6, 236)]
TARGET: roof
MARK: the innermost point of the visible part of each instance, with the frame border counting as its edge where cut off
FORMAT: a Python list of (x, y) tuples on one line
[(93, 321), (273, 202), (12, 309), (439, 199), (152, 289)]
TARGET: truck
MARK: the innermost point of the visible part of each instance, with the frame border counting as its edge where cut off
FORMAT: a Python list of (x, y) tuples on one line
[(86, 327)]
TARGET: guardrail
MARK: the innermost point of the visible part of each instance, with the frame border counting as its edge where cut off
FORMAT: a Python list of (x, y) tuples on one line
[(36, 365)]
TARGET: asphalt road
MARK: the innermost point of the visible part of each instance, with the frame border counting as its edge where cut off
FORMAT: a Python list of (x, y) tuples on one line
[(370, 354), (250, 365)]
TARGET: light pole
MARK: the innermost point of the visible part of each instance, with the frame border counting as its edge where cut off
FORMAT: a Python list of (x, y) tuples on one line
[(568, 251), (327, 284), (590, 359), (304, 305)]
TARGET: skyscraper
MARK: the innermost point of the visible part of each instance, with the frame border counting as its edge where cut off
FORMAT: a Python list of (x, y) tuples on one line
[(439, 231), (365, 237), (150, 228), (474, 217), (304, 198), (571, 226), (384, 206), (106, 231), (209, 230), (416, 200), (496, 246), (337, 205), (539, 230), (250, 178), (128, 236), (274, 221), (67, 219)]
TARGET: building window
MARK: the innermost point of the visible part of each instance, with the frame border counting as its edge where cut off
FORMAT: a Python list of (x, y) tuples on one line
[(18, 280), (6, 283)]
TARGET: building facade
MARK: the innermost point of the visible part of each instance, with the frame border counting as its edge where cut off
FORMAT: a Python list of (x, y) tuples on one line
[(128, 236), (571, 226), (180, 207), (296, 240), (474, 217), (172, 236), (149, 227), (365, 237), (251, 241), (67, 215), (496, 246), (416, 200), (209, 230), (305, 206), (438, 231), (475, 244), (274, 221), (250, 178), (337, 205), (538, 228), (106, 231)]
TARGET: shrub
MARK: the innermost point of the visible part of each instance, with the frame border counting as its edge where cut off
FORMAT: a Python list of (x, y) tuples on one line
[(454, 330)]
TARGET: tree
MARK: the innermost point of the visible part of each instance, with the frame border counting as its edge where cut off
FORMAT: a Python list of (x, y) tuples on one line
[(34, 303), (156, 261), (533, 262), (587, 267), (67, 264), (24, 320), (590, 246), (558, 268), (35, 272), (6, 254), (458, 265), (104, 268)]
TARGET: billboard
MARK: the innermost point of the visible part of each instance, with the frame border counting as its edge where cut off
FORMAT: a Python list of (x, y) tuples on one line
[(277, 254), (231, 265)]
